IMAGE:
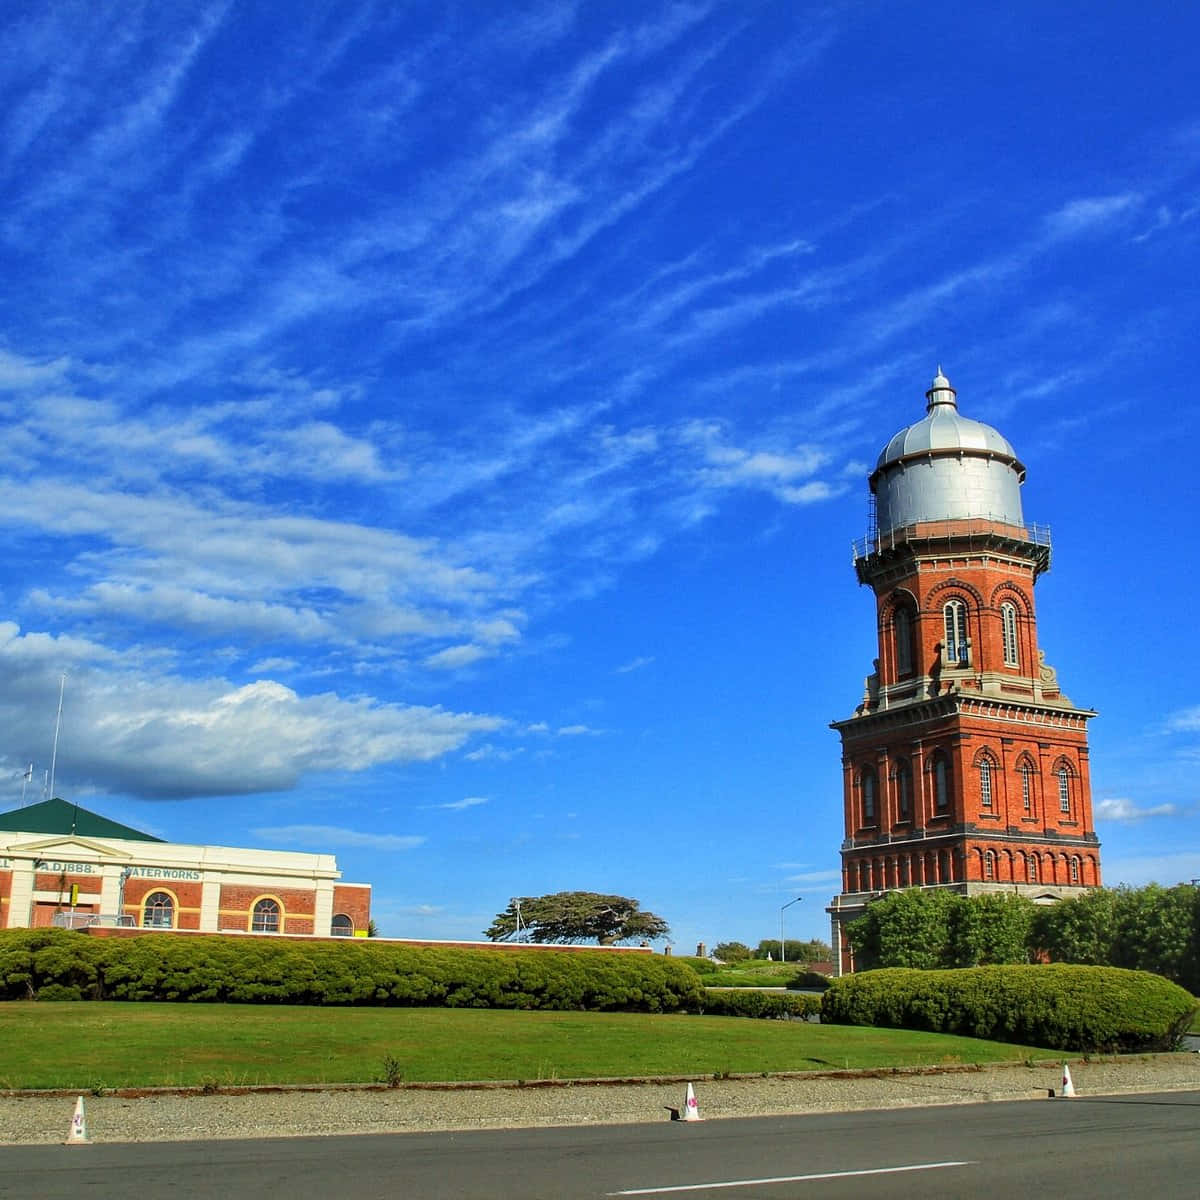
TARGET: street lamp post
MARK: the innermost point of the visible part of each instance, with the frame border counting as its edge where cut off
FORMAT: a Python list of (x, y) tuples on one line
[(782, 951)]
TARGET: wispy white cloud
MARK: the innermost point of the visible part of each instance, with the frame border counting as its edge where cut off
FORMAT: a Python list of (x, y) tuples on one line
[(453, 657), (465, 803), (1186, 720), (1089, 214), (490, 752), (1121, 809), (634, 664), (335, 837)]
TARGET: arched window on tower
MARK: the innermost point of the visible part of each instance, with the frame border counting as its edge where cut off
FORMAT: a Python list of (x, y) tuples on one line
[(866, 783), (1008, 625), (1074, 868), (1064, 789), (985, 783), (941, 783), (904, 789), (1026, 773), (955, 615), (1032, 864), (989, 864), (902, 627)]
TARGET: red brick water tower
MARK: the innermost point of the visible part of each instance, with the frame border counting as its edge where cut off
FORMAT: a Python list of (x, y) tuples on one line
[(964, 766)]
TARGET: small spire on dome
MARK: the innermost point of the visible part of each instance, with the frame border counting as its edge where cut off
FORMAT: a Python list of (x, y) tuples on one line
[(940, 392)]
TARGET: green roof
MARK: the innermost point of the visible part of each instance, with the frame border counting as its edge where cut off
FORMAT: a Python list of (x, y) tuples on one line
[(57, 816)]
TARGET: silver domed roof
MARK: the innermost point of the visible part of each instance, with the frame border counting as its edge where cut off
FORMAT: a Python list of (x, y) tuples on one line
[(944, 428), (946, 467)]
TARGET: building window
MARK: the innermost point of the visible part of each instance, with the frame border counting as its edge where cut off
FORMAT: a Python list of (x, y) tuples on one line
[(867, 784), (1064, 790), (342, 926), (1008, 622), (989, 865), (941, 783), (903, 628), (985, 783), (158, 911), (955, 614), (904, 789), (1027, 787), (1074, 868), (265, 918), (1033, 868)]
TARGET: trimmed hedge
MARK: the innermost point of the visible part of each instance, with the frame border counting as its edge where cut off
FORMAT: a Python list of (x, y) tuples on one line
[(744, 1002), (58, 964), (1059, 1006)]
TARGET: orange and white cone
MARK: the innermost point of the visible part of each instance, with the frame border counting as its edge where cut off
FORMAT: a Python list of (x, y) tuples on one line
[(78, 1133), (691, 1110), (1068, 1088)]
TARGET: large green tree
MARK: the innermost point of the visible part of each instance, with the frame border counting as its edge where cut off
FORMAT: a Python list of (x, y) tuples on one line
[(991, 929), (909, 928), (795, 950), (576, 917), (732, 951), (936, 929), (1080, 930)]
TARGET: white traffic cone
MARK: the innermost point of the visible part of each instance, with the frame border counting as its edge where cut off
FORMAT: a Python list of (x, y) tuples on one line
[(78, 1134), (691, 1110), (1068, 1088)]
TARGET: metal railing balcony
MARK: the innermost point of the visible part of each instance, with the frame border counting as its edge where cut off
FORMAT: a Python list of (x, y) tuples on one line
[(971, 529)]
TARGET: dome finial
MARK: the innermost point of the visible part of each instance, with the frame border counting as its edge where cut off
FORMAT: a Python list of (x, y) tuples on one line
[(940, 392)]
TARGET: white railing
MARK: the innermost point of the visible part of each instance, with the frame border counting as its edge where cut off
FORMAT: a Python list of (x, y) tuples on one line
[(949, 528), (87, 920)]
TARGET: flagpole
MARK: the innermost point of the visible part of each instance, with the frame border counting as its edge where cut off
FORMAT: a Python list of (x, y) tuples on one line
[(62, 687)]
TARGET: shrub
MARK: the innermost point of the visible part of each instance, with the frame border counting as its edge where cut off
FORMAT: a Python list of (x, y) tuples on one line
[(1081, 1008), (70, 965), (812, 981), (741, 1002)]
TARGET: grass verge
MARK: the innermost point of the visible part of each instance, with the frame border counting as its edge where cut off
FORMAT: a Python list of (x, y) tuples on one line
[(96, 1045)]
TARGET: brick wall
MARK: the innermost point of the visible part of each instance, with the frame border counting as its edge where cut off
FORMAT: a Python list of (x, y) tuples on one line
[(354, 901)]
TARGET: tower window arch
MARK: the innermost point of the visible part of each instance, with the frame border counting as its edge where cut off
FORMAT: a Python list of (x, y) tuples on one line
[(985, 782), (1064, 789), (954, 615), (158, 911), (341, 925), (904, 789), (1008, 626), (941, 783), (1032, 865), (902, 629), (1025, 770), (866, 783), (989, 864), (1074, 868)]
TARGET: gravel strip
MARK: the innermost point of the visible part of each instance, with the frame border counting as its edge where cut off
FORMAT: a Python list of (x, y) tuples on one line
[(41, 1118)]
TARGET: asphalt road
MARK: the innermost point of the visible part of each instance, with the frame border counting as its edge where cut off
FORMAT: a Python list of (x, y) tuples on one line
[(1091, 1148)]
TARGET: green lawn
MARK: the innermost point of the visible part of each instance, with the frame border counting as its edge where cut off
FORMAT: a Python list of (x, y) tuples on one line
[(753, 972), (95, 1045)]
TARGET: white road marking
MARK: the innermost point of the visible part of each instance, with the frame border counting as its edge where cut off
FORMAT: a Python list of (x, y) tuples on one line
[(737, 1183)]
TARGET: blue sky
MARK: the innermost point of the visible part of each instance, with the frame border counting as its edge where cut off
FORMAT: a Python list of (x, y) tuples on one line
[(435, 433)]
